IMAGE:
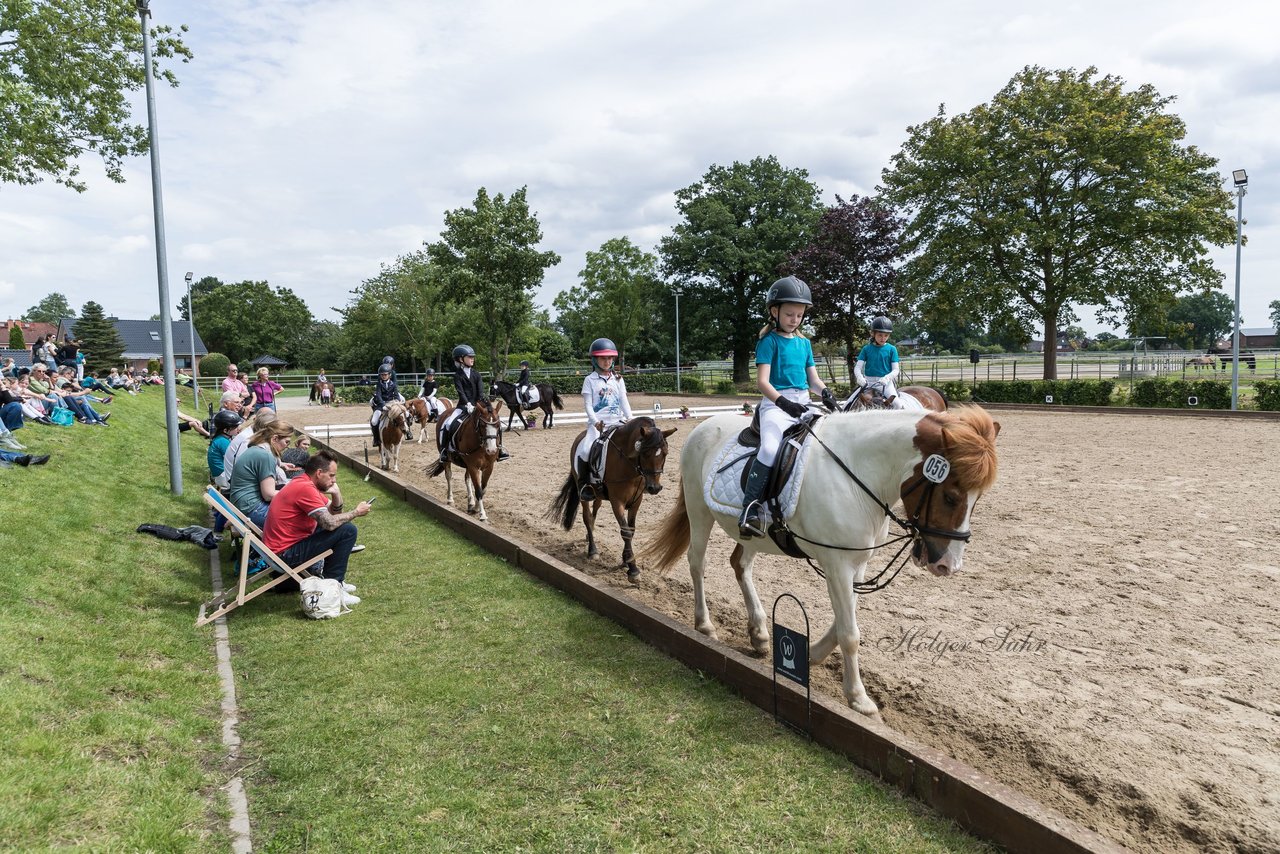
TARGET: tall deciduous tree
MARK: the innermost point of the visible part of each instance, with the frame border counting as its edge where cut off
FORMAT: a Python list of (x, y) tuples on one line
[(99, 340), (401, 312), (489, 259), (246, 319), (51, 309), (1274, 305), (739, 224), (66, 71), (1201, 319), (1064, 189), (850, 267), (619, 291)]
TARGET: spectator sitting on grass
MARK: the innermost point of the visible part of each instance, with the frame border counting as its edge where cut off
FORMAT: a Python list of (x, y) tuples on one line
[(297, 454), (253, 477), (34, 406), (8, 369), (305, 519), (39, 384), (76, 399), (11, 412), (23, 459)]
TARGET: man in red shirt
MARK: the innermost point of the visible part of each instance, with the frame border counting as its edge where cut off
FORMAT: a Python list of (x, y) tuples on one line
[(305, 518)]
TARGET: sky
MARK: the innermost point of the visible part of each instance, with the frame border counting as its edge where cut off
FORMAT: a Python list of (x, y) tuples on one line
[(312, 142)]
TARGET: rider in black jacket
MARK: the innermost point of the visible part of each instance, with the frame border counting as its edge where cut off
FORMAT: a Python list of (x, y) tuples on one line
[(385, 390), (470, 388)]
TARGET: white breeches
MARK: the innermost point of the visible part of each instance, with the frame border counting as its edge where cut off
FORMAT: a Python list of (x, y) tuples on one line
[(593, 436), (774, 422)]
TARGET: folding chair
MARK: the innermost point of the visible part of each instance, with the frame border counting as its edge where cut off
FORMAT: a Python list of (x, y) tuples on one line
[(263, 581)]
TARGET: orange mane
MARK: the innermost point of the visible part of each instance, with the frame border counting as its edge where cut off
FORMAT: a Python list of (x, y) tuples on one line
[(969, 443)]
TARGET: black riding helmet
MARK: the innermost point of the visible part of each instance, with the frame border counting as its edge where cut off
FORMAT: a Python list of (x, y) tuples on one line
[(462, 350), (789, 289), (225, 421), (882, 324)]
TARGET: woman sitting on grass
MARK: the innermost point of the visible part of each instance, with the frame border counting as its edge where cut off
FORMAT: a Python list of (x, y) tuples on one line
[(253, 478)]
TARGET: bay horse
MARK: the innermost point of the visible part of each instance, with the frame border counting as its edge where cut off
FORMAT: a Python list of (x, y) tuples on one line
[(635, 454), (420, 413), (936, 464), (475, 449), (391, 430), (322, 393), (547, 398), (913, 398)]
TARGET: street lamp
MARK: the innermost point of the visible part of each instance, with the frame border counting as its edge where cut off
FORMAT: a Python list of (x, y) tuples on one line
[(1241, 179), (162, 265), (677, 291), (191, 326)]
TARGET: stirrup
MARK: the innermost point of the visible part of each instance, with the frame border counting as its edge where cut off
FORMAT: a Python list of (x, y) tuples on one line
[(587, 492), (749, 521)]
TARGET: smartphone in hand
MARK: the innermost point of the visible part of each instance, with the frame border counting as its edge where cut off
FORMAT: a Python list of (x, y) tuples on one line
[(371, 500)]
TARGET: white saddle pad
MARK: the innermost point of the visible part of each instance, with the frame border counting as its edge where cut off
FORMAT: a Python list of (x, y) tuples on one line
[(532, 397), (723, 490)]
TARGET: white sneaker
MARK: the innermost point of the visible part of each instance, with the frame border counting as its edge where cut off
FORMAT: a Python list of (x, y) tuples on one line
[(350, 588), (349, 599), (358, 547)]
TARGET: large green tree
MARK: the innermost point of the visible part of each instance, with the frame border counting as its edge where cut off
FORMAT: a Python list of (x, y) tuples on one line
[(99, 340), (1274, 305), (739, 224), (1201, 319), (617, 298), (51, 309), (17, 341), (246, 319), (67, 69), (489, 259), (401, 310), (1064, 189), (851, 267)]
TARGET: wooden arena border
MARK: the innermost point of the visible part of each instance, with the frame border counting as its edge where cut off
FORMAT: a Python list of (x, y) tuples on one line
[(984, 807), (1189, 411)]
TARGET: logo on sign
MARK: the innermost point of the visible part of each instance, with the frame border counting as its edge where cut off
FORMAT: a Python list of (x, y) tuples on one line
[(791, 654), (936, 468), (657, 407)]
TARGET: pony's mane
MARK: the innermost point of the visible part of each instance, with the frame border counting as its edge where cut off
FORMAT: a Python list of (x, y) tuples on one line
[(970, 436)]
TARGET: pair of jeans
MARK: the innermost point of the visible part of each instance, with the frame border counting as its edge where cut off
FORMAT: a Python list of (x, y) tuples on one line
[(11, 414), (340, 539)]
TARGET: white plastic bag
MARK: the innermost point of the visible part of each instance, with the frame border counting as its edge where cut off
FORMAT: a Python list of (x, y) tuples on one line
[(322, 598)]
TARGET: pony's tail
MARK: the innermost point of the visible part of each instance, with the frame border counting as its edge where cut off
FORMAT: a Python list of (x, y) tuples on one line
[(555, 399), (672, 538), (565, 505), (435, 468)]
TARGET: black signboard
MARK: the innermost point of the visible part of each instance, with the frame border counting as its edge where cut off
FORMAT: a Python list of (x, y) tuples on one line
[(791, 654)]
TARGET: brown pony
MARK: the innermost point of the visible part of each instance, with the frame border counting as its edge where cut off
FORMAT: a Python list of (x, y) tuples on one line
[(419, 413), (322, 393), (391, 430), (871, 396), (635, 453), (475, 449)]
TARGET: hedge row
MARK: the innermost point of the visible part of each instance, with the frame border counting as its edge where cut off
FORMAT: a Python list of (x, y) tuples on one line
[(1268, 395), (1065, 392), (1175, 393)]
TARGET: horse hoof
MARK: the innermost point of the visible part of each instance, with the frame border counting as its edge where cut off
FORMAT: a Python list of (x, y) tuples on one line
[(633, 573), (865, 706)]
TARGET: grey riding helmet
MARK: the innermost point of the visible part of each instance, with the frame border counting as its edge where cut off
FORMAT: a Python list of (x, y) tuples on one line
[(882, 324), (462, 350)]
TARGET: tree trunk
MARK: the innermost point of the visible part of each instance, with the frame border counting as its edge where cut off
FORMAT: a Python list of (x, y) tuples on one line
[(1051, 345)]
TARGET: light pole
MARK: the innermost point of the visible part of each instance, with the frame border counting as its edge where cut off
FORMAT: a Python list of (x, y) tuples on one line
[(677, 291), (191, 326), (162, 266), (1241, 179)]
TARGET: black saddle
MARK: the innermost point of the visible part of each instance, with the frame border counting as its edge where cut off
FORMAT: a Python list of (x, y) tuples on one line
[(783, 466)]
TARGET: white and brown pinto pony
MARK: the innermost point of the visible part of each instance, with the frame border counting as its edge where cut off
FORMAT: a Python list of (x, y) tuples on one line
[(913, 398), (837, 521), (391, 430), (420, 412), (475, 449)]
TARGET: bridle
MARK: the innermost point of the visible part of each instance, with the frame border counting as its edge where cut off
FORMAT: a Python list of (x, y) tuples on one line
[(637, 463), (914, 528)]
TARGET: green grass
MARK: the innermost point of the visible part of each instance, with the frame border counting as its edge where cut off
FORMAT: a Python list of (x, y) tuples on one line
[(463, 705)]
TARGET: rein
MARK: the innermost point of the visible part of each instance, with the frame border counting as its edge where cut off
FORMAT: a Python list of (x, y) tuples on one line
[(912, 528), (637, 464)]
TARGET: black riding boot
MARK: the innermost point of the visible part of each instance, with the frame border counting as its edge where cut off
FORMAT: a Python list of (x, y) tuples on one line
[(586, 489), (377, 437), (749, 522)]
